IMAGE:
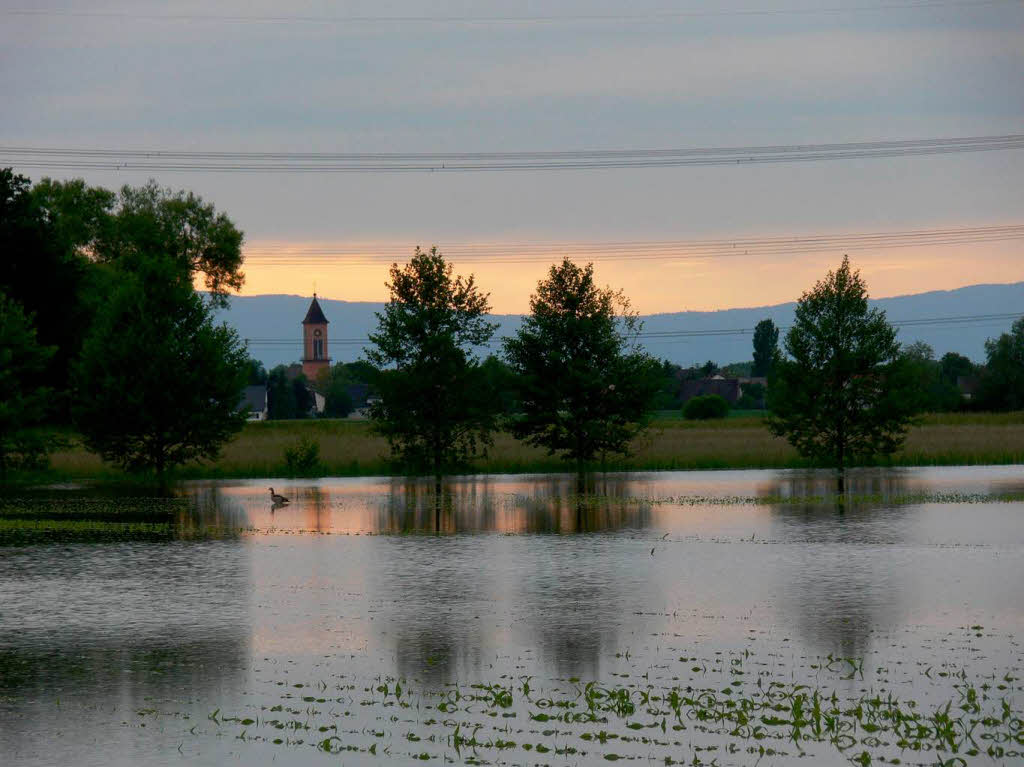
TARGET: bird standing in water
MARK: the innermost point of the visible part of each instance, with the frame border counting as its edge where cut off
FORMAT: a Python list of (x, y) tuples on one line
[(277, 499)]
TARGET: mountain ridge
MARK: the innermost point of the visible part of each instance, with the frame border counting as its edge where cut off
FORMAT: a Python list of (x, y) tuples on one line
[(272, 322)]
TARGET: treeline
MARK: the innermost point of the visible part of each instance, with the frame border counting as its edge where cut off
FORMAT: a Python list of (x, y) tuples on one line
[(102, 328)]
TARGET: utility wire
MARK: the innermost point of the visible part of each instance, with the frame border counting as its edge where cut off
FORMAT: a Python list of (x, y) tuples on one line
[(445, 162), (663, 335), (483, 19), (661, 250)]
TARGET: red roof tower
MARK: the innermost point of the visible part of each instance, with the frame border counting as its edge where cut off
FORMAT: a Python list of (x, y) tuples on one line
[(315, 357)]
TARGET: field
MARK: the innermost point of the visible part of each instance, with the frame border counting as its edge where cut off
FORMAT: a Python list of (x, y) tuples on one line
[(349, 448)]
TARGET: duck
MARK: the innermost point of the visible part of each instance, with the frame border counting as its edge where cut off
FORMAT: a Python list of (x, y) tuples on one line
[(277, 499)]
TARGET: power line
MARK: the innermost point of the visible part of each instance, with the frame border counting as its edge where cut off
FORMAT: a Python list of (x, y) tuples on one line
[(447, 162), (659, 250), (477, 19), (665, 335)]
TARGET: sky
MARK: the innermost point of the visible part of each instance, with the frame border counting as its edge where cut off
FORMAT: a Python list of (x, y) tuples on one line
[(529, 76)]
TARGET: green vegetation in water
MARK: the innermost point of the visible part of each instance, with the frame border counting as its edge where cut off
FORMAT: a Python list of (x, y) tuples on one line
[(35, 520), (699, 721)]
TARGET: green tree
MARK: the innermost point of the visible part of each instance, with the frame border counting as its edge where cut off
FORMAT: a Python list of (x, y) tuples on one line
[(334, 384), (257, 374), (434, 407), (158, 383), (288, 396), (586, 385), (670, 378), (136, 222), (752, 397), (766, 347), (929, 389), (501, 382), (1002, 382), (338, 401), (953, 366), (705, 407), (281, 402), (45, 277), (360, 371), (346, 385), (840, 396), (23, 401)]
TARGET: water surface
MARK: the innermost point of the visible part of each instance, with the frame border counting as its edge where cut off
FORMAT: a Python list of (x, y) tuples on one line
[(230, 624)]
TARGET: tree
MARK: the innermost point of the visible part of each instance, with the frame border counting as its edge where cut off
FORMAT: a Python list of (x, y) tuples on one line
[(930, 391), (139, 221), (158, 383), (257, 374), (338, 402), (766, 347), (434, 407), (189, 231), (1002, 382), (705, 407), (280, 395), (752, 397), (954, 366), (334, 383), (44, 275), (586, 386), (501, 382), (287, 396), (840, 395), (23, 402)]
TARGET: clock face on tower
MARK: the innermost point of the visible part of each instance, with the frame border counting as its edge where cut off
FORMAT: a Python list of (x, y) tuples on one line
[(317, 333)]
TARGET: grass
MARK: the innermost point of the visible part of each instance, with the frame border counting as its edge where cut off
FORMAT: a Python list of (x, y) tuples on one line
[(734, 708), (349, 448)]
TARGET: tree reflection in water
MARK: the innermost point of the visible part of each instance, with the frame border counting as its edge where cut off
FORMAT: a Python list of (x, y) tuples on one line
[(835, 596), (529, 504), (451, 607)]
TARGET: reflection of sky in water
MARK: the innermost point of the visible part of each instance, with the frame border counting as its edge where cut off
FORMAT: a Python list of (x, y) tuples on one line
[(199, 624)]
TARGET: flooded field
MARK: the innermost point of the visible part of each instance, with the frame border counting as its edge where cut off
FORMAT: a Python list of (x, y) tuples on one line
[(698, 618)]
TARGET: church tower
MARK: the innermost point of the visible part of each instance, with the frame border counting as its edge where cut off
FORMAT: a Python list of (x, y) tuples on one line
[(314, 342)]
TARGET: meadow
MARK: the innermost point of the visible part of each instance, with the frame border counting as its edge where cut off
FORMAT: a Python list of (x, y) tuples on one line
[(350, 448)]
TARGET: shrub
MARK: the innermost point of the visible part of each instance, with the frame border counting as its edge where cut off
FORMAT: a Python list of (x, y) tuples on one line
[(302, 456), (705, 407)]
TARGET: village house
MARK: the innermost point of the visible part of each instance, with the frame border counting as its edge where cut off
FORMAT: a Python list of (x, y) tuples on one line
[(255, 402), (729, 389)]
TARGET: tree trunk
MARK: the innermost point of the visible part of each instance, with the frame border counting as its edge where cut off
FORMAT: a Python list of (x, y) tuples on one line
[(841, 460), (437, 492), (161, 470)]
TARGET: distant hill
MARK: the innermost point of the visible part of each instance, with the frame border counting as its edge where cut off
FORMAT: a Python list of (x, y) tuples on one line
[(272, 323)]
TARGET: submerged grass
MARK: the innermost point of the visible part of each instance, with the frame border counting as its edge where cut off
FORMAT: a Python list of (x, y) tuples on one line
[(733, 709), (350, 448)]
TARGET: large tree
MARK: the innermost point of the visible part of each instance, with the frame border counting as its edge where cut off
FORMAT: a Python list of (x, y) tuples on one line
[(1002, 381), (120, 228), (158, 384), (840, 394), (434, 406), (586, 385), (44, 275), (23, 400), (766, 347)]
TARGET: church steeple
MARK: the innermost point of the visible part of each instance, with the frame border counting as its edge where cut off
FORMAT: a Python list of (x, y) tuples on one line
[(315, 357)]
